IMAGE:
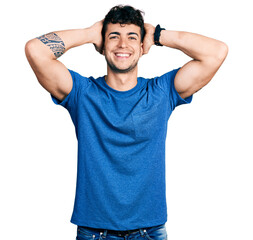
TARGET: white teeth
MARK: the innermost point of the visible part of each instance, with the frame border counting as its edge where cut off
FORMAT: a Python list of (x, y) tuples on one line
[(122, 55)]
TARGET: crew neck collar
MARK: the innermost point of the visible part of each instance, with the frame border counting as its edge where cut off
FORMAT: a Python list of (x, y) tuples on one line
[(122, 93)]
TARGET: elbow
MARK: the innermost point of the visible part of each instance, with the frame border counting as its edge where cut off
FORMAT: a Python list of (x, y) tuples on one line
[(219, 55), (36, 51), (222, 52), (28, 46), (30, 50)]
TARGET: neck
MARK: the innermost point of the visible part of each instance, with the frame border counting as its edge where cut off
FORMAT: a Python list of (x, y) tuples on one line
[(121, 81)]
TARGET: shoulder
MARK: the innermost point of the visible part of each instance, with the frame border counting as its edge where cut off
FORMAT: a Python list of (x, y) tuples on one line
[(81, 81), (170, 75), (164, 81), (77, 76)]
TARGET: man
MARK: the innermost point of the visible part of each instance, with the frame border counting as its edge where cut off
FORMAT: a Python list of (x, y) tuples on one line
[(121, 119)]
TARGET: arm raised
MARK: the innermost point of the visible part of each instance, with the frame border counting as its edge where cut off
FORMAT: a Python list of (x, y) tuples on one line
[(207, 56), (43, 53)]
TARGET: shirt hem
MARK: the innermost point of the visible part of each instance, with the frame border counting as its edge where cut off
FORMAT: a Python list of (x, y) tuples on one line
[(101, 225)]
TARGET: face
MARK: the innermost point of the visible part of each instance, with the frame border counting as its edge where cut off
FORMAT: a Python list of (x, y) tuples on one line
[(122, 47)]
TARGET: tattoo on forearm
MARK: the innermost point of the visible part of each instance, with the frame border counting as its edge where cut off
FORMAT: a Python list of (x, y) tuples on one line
[(55, 43)]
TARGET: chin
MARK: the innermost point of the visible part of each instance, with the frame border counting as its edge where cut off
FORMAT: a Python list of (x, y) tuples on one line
[(116, 69), (119, 67), (123, 70)]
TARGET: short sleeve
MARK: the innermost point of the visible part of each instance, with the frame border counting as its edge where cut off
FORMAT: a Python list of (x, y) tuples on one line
[(70, 102), (166, 83)]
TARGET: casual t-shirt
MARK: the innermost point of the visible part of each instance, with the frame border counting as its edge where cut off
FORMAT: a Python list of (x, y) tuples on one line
[(121, 150)]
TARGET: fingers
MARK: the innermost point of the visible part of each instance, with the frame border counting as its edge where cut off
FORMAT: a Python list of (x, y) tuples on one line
[(148, 40), (145, 51), (147, 44)]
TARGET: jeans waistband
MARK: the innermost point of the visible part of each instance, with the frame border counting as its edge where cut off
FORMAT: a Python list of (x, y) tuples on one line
[(116, 232)]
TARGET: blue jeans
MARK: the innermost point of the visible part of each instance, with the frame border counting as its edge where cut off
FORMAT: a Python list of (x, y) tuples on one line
[(151, 233)]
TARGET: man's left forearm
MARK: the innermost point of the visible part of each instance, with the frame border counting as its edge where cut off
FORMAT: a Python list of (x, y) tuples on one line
[(194, 45)]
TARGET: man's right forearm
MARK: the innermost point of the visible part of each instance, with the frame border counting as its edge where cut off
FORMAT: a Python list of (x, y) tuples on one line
[(59, 42)]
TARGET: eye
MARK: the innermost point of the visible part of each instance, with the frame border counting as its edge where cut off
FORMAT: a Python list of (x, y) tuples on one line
[(133, 38), (113, 37)]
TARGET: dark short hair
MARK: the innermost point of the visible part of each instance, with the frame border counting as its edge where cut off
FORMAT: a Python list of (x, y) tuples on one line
[(124, 15)]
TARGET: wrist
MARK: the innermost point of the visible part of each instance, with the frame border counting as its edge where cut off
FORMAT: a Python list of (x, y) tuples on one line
[(95, 32), (90, 34), (157, 35)]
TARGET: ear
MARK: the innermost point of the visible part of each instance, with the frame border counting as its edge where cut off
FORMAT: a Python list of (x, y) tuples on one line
[(103, 49), (142, 49)]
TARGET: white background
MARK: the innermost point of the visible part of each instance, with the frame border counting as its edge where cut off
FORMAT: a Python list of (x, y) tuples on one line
[(209, 142)]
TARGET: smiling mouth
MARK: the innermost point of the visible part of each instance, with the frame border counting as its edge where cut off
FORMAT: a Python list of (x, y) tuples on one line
[(123, 55)]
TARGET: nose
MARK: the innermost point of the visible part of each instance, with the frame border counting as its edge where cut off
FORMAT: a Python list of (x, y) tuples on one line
[(122, 43)]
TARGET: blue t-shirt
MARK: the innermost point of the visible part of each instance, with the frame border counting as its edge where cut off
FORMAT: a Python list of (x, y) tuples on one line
[(121, 150)]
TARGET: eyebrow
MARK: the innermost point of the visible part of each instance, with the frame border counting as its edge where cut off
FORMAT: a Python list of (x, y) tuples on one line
[(130, 33)]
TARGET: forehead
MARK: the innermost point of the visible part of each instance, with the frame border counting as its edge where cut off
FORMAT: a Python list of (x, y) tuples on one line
[(122, 28)]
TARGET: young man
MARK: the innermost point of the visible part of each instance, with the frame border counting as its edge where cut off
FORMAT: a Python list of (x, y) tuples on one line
[(121, 119)]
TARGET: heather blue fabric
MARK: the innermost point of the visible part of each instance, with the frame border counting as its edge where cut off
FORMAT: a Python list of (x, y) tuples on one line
[(121, 150)]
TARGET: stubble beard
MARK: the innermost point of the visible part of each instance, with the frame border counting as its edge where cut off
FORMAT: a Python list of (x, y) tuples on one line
[(115, 69)]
